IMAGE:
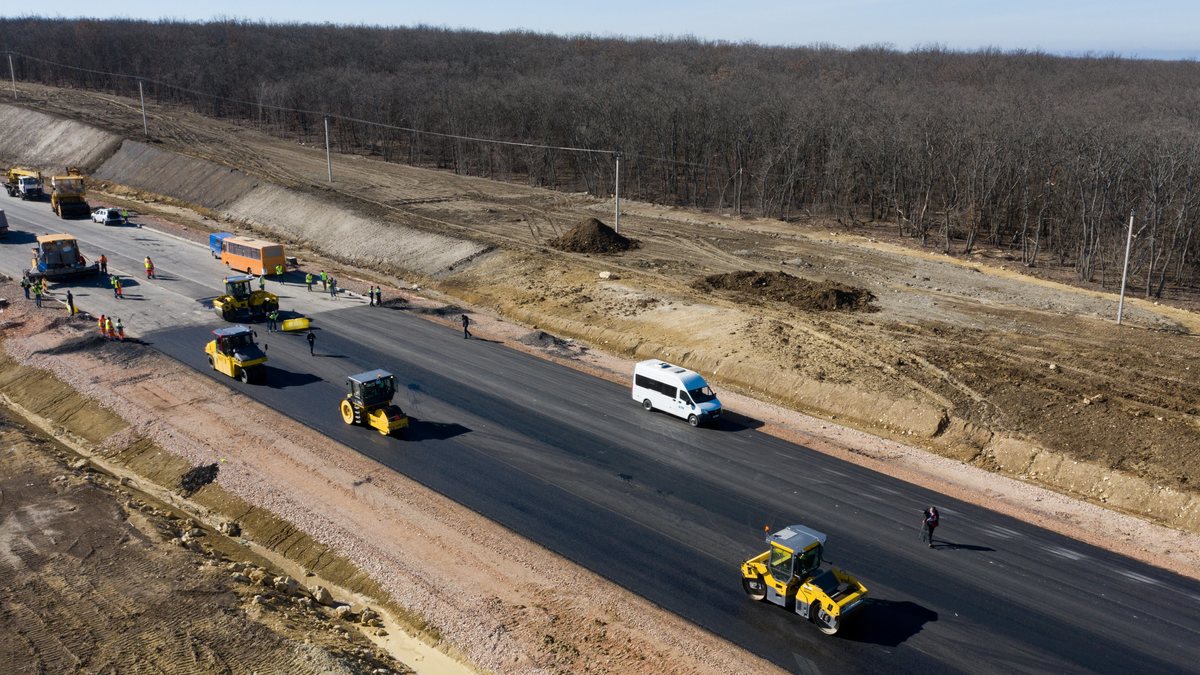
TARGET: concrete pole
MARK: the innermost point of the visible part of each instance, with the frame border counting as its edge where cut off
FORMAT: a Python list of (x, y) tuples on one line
[(328, 158), (1125, 271), (13, 74), (142, 96), (617, 200)]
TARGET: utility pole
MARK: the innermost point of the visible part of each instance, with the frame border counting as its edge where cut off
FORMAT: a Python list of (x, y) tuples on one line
[(328, 159), (1125, 271), (617, 193), (142, 96), (13, 74)]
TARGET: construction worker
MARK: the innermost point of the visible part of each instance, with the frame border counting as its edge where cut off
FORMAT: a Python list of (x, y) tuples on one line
[(273, 321), (100, 325), (312, 341), (149, 268), (333, 288), (108, 329), (70, 303), (466, 321), (308, 281), (37, 294), (279, 272), (262, 281), (103, 264), (25, 286), (324, 280), (378, 296), (116, 284), (120, 330)]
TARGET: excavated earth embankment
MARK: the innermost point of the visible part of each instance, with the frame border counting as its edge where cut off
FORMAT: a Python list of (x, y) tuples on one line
[(1043, 389)]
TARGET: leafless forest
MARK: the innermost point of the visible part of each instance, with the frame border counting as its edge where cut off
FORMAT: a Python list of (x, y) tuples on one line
[(1042, 155)]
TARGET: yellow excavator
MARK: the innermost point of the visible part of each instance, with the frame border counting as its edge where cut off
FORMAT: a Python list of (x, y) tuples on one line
[(789, 574), (232, 351), (241, 302), (67, 195), (369, 401)]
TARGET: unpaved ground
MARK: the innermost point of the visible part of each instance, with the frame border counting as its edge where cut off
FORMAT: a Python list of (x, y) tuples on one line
[(90, 581), (482, 592), (961, 354)]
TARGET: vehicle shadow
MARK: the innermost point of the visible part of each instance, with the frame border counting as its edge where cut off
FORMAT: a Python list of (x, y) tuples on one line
[(278, 378), (887, 622), (421, 430), (951, 546), (19, 237), (731, 421)]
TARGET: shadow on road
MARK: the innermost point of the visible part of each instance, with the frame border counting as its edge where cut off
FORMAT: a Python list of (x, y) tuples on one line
[(951, 546), (420, 430), (731, 421), (888, 622), (19, 237), (278, 378)]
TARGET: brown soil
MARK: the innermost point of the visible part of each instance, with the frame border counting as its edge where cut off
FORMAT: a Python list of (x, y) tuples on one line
[(592, 236), (95, 580), (812, 296)]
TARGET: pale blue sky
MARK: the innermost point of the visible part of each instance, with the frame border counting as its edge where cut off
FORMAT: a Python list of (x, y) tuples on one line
[(1148, 29)]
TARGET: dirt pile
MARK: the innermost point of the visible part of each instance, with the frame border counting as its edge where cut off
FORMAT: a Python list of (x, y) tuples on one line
[(592, 236), (815, 296)]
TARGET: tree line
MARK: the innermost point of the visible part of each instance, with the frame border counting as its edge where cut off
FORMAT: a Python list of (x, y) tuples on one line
[(1042, 155)]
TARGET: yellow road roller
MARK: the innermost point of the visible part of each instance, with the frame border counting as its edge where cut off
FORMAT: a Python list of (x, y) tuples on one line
[(369, 401), (232, 351), (790, 574)]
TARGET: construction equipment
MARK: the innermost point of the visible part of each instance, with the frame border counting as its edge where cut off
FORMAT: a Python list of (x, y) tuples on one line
[(67, 195), (241, 302), (789, 574), (369, 401), (57, 257), (23, 183), (295, 324), (234, 352)]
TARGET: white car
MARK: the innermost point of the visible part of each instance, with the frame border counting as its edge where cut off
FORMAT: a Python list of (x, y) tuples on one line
[(108, 216)]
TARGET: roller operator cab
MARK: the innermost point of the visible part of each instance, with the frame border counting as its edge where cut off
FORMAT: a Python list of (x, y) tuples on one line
[(369, 401), (242, 301), (790, 574), (234, 353), (658, 385)]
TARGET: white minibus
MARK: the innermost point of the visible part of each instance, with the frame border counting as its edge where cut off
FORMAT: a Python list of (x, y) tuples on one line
[(658, 385)]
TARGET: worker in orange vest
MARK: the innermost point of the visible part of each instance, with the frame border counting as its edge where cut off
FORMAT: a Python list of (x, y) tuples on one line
[(108, 329), (149, 268)]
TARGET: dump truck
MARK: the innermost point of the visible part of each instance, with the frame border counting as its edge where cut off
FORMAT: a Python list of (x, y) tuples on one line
[(369, 401), (241, 303), (67, 195), (232, 351), (23, 183), (790, 574), (57, 257)]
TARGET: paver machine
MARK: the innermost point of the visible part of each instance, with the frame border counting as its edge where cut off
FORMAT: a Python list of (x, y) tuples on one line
[(232, 351), (790, 574), (369, 401), (241, 302), (57, 257), (67, 195)]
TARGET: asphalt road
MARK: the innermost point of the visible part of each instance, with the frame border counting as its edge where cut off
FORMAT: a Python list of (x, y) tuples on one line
[(669, 512)]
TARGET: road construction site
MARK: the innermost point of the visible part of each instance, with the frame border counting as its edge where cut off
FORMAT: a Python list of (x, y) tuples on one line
[(548, 452)]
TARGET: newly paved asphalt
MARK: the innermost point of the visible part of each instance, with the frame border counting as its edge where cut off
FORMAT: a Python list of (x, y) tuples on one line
[(668, 511)]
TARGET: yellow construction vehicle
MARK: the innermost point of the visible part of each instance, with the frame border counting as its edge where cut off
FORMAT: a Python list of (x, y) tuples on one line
[(369, 401), (67, 195), (241, 302), (234, 352), (23, 183), (789, 574), (57, 257)]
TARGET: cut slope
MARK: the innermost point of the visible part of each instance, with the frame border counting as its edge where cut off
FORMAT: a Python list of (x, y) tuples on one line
[(50, 142)]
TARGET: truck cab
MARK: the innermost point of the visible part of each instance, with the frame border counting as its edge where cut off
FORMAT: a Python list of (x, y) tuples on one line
[(232, 351)]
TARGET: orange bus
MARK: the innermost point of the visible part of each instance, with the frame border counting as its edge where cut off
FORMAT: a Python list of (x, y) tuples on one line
[(253, 256)]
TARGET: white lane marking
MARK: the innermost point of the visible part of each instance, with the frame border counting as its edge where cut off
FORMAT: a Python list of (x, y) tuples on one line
[(1140, 578), (1064, 553)]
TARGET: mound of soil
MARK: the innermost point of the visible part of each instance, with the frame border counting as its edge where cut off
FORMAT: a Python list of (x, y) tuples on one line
[(592, 236), (816, 296)]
